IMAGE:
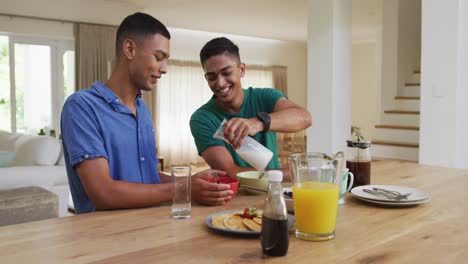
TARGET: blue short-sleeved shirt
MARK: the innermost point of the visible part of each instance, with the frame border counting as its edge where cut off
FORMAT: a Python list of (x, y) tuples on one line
[(95, 124)]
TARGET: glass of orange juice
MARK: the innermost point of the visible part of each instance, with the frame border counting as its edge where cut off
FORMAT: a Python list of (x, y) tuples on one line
[(316, 194)]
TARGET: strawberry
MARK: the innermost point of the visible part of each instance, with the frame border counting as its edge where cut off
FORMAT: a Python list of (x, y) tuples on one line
[(250, 212)]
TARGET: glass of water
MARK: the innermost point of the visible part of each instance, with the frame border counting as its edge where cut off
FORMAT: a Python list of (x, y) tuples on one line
[(181, 191)]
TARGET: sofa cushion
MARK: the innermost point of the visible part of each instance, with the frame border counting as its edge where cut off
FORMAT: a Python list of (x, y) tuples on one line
[(36, 150), (42, 176), (6, 157), (8, 140)]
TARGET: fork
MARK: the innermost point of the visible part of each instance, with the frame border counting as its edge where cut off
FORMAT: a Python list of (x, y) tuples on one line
[(380, 194), (391, 196), (397, 194)]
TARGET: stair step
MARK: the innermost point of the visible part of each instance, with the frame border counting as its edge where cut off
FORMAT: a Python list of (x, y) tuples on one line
[(395, 144), (398, 127), (400, 120), (402, 112), (412, 84), (407, 105), (392, 152), (396, 134), (410, 91), (415, 78), (407, 98)]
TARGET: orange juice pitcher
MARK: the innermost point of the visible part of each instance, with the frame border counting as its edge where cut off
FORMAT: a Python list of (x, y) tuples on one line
[(316, 192)]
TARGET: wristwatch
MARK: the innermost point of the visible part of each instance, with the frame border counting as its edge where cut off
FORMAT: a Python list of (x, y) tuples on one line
[(266, 120)]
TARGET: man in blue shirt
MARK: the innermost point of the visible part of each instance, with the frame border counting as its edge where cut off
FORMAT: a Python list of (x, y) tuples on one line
[(108, 136)]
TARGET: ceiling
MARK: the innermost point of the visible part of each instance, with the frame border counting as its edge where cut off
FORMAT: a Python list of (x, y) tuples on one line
[(274, 19)]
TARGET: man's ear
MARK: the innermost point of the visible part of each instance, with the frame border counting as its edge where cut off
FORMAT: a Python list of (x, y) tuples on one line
[(128, 49), (242, 69)]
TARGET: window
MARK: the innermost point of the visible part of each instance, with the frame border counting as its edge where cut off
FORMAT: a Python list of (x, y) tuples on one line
[(257, 77), (5, 113), (36, 76)]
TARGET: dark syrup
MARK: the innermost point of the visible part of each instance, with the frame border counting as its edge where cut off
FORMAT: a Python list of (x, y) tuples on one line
[(275, 236)]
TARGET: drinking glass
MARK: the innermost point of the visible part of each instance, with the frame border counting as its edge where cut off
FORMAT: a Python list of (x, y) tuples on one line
[(181, 191)]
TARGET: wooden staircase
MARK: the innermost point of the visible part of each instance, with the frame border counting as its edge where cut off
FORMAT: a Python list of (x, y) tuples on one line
[(398, 135)]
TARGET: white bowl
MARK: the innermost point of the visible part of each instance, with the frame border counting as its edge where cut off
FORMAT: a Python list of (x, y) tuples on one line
[(251, 178)]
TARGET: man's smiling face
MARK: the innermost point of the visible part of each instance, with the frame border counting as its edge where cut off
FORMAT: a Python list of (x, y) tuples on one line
[(223, 73)]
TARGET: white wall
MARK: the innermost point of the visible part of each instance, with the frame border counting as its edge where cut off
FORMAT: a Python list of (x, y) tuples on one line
[(365, 88), (105, 12), (461, 138), (389, 49), (444, 67), (186, 44), (37, 28), (329, 74), (409, 39)]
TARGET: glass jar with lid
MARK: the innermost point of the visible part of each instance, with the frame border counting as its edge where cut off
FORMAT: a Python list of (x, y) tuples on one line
[(358, 161)]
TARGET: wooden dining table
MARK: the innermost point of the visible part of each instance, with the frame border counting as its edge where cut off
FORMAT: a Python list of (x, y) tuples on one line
[(433, 232)]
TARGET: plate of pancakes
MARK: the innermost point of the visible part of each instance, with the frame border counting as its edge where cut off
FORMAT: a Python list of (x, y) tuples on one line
[(232, 222)]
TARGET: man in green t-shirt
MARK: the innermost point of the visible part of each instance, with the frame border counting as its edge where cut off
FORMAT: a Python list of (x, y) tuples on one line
[(258, 112)]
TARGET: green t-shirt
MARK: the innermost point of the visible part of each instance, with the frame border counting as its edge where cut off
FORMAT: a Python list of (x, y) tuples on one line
[(207, 119)]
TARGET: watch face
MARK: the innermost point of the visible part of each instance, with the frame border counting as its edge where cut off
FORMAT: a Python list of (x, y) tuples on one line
[(265, 118)]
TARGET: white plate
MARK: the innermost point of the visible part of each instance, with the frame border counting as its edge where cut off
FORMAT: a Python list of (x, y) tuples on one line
[(393, 204), (415, 197)]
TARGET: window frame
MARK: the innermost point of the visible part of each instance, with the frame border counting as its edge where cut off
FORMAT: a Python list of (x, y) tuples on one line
[(58, 47)]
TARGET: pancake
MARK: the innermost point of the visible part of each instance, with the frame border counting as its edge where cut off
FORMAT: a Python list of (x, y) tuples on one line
[(258, 220), (234, 222), (251, 224), (218, 220)]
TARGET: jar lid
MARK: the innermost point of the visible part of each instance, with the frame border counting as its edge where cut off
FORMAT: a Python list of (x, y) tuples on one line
[(275, 176), (358, 144)]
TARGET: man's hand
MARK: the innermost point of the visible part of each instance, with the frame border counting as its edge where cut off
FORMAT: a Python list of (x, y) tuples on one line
[(237, 129), (209, 193)]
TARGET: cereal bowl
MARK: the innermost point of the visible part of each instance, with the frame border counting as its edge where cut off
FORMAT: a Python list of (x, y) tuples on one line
[(251, 178), (233, 183)]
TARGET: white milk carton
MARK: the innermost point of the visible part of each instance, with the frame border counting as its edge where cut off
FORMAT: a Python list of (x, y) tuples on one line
[(251, 151)]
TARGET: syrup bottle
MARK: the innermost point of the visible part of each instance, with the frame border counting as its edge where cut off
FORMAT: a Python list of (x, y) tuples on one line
[(275, 234)]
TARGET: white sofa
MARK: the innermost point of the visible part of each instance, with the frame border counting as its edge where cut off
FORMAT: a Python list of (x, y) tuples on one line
[(27, 160)]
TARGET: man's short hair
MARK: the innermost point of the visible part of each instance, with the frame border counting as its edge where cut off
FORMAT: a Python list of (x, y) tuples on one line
[(138, 26), (218, 46)]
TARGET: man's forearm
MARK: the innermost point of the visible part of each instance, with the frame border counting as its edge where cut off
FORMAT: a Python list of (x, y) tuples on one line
[(164, 177), (124, 195), (290, 120)]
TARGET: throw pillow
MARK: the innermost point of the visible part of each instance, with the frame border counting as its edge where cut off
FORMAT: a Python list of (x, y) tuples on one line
[(5, 158), (61, 159), (36, 150), (7, 140)]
